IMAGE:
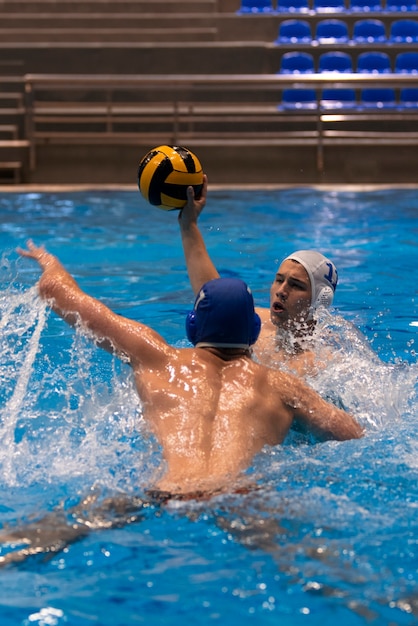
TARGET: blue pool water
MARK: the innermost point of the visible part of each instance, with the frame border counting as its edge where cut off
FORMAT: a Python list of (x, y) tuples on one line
[(331, 536)]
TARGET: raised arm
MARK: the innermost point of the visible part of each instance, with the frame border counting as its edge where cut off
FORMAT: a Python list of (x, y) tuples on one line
[(199, 265), (138, 343)]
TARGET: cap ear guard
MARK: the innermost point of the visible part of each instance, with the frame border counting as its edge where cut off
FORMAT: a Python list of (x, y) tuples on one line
[(191, 327), (255, 331), (324, 297)]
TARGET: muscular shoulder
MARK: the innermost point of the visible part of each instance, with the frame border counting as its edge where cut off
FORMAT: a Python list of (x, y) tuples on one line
[(288, 388)]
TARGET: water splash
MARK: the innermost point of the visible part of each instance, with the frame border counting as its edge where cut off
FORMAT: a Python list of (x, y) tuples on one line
[(351, 375), (377, 392), (23, 318), (69, 413)]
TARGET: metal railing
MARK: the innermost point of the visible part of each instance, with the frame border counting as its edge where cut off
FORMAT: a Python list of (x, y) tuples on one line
[(215, 109)]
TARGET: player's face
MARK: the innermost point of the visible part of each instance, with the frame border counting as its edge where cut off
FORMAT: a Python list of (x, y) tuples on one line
[(290, 295)]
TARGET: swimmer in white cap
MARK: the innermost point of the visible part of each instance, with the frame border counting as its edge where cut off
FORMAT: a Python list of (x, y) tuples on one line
[(318, 291), (305, 281)]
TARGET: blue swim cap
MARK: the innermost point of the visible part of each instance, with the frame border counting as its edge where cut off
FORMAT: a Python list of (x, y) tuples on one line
[(223, 316)]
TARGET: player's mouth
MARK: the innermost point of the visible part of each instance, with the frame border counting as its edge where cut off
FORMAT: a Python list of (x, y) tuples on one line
[(277, 307)]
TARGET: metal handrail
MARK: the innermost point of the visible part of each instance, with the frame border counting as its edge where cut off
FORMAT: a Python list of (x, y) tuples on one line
[(250, 81), (215, 83)]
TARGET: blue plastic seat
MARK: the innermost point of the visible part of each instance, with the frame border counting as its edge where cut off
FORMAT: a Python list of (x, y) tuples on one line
[(293, 6), (365, 6), (404, 31), (331, 32), (256, 6), (406, 63), (408, 98), (299, 99), (329, 6), (297, 63), (294, 32), (378, 98), (335, 62), (374, 63), (338, 99), (369, 31), (393, 6)]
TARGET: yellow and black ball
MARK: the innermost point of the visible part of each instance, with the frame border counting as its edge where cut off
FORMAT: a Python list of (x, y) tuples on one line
[(165, 173)]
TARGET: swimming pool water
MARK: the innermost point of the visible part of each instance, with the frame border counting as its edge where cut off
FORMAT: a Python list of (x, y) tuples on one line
[(330, 537)]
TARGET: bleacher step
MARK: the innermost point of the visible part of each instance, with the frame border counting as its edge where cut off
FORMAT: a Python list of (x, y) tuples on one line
[(203, 27), (41, 21), (11, 171), (113, 6), (102, 35)]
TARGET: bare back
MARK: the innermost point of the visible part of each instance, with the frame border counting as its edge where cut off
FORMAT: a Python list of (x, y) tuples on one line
[(211, 416)]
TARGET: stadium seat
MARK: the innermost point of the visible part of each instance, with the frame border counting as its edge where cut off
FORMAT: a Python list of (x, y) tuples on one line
[(299, 99), (297, 63), (365, 6), (331, 32), (374, 63), (293, 6), (404, 31), (408, 98), (294, 32), (336, 98), (378, 98), (393, 6), (329, 6), (335, 62), (406, 63), (256, 6), (369, 31)]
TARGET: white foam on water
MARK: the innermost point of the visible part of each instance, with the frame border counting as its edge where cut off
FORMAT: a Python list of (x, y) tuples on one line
[(22, 314), (378, 393), (69, 412)]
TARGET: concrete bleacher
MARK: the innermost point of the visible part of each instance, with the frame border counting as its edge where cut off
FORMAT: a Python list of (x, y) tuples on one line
[(133, 36), (151, 36), (172, 37), (14, 147)]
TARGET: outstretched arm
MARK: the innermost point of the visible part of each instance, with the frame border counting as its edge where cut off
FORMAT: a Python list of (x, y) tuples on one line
[(321, 418), (132, 340), (326, 421), (199, 265)]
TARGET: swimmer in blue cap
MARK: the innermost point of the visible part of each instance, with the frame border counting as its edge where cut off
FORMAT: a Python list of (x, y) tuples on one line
[(223, 316), (305, 281), (211, 406)]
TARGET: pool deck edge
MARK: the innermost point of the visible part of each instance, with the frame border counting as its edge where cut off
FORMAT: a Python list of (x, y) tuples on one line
[(48, 188)]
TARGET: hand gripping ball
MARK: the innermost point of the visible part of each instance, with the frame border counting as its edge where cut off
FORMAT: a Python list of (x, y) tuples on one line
[(164, 175)]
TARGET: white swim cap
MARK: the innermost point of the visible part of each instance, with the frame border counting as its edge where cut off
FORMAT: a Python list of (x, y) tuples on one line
[(322, 274)]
